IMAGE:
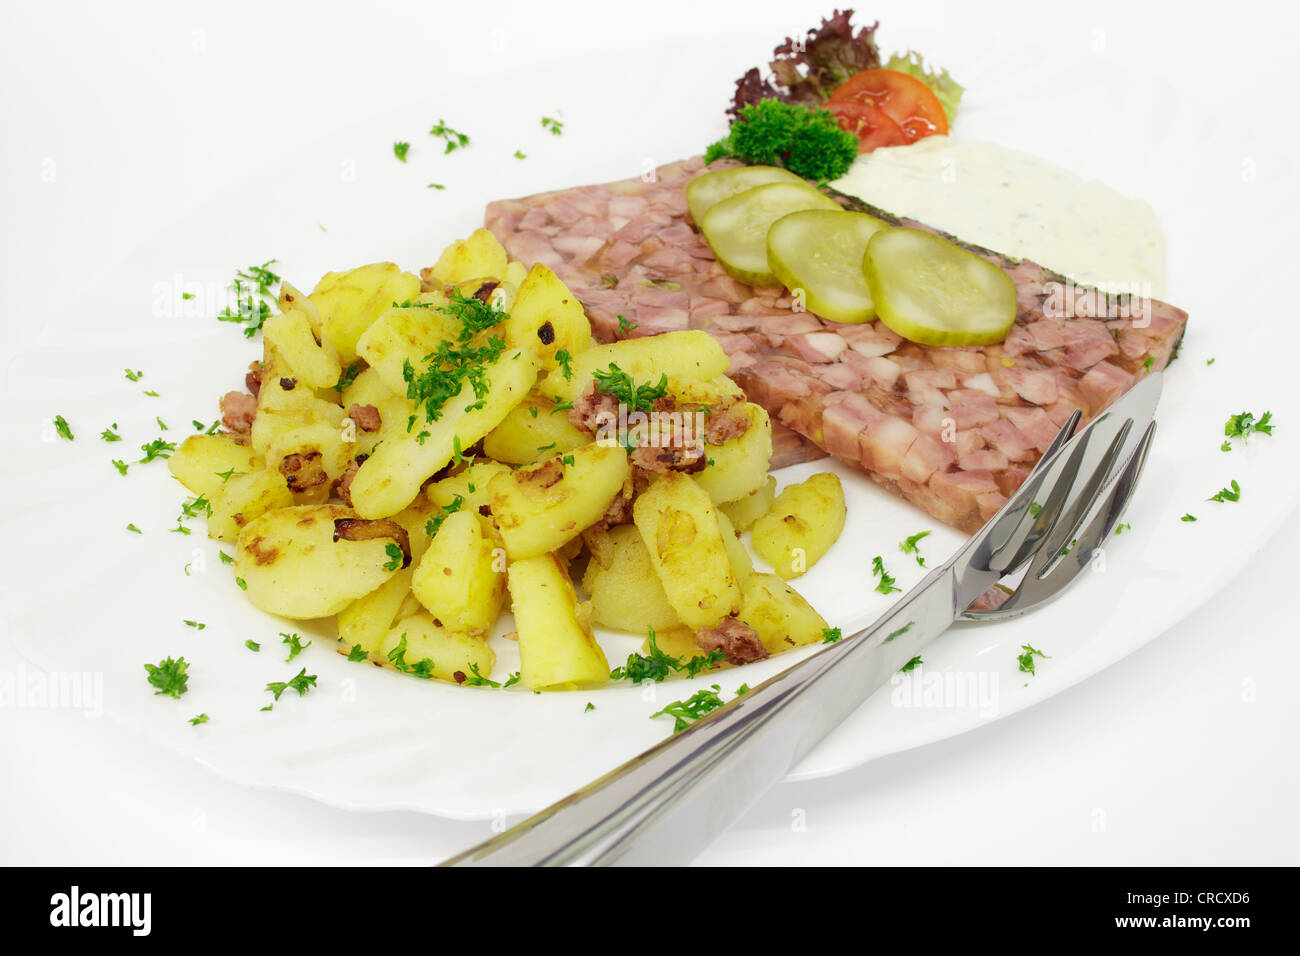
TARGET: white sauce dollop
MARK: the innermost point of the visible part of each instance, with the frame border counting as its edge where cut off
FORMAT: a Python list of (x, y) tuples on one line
[(1019, 205)]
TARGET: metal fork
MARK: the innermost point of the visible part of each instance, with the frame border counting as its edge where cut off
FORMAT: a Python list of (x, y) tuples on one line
[(665, 805)]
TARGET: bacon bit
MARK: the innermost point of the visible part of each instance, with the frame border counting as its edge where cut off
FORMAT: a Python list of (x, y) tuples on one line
[(363, 529), (238, 410), (620, 509), (343, 487), (484, 292), (546, 333), (545, 475), (253, 378), (736, 639), (288, 384), (689, 459), (366, 416), (303, 471), (726, 423), (459, 677), (592, 410)]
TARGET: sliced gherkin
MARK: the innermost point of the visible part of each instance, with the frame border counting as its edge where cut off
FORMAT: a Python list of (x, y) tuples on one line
[(704, 192), (934, 292), (736, 228), (818, 252)]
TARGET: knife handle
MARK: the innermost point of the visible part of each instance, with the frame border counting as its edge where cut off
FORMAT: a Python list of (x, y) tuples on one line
[(663, 806)]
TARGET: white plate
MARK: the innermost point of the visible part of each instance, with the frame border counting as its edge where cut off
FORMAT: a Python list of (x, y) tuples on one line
[(84, 595)]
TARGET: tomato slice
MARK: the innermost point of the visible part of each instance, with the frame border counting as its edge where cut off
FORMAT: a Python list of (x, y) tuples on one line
[(871, 125), (907, 101)]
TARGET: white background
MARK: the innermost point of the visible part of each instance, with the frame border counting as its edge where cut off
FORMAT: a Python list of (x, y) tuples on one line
[(1183, 753)]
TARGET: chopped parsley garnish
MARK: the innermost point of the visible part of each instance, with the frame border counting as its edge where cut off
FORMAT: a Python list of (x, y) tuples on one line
[(397, 656), (196, 625), (260, 276), (193, 507), (831, 635), (686, 712), (134, 376), (886, 583), (120, 465), (181, 529), (1188, 517), (110, 433), (395, 557), (451, 137), (1244, 425), (151, 393), (1026, 659), (1035, 509), (225, 558), (555, 126), (451, 365), (161, 424), (519, 154), (400, 150), (252, 645), (806, 141), (156, 449), (1209, 361), (909, 546), (564, 360), (475, 679), (618, 384), (358, 654), (349, 375), (432, 526), (512, 680), (589, 708), (624, 325), (435, 186), (658, 665), (296, 646), (169, 676), (1151, 360), (1232, 493), (200, 719), (229, 473), (252, 288), (243, 585), (911, 665), (132, 527), (63, 428), (301, 682), (1122, 527)]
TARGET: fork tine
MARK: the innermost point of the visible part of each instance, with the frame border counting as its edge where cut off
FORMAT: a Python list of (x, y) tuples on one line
[(1040, 586), (1067, 528), (1112, 506)]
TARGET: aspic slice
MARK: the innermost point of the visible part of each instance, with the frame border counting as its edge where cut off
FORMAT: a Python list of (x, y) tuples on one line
[(705, 192), (736, 228), (931, 291), (820, 251)]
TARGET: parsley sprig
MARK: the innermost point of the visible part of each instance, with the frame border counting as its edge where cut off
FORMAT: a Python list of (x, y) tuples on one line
[(454, 140), (658, 665), (1243, 426), (619, 384), (886, 583), (909, 546), (169, 676)]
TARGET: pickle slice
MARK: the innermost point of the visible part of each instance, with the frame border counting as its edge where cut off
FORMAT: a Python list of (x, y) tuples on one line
[(736, 228), (931, 291), (704, 192), (820, 252)]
